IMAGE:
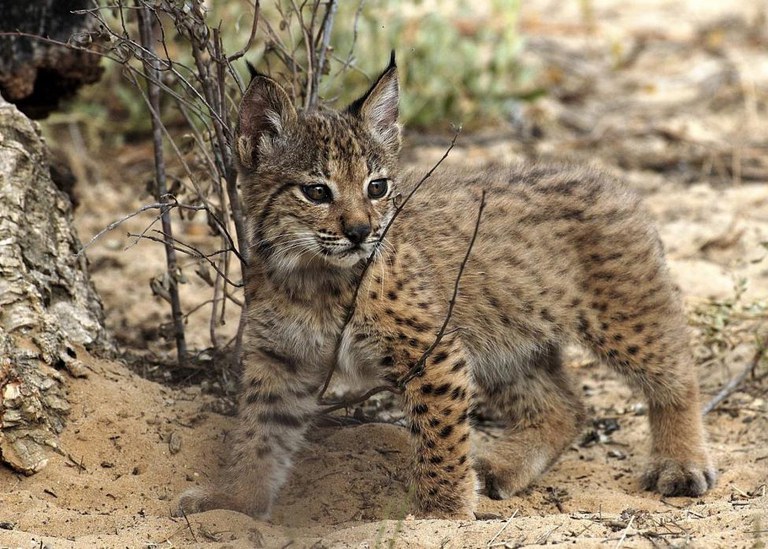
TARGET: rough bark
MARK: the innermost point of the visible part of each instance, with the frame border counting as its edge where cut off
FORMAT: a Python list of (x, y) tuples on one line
[(49, 311), (35, 74)]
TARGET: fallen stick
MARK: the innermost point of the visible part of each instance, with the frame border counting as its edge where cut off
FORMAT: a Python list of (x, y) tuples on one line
[(736, 381)]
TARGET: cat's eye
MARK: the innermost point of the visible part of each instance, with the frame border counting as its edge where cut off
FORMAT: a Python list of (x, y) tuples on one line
[(377, 188), (317, 193)]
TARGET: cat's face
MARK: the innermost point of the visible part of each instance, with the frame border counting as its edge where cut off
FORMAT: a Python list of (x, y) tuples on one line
[(319, 186)]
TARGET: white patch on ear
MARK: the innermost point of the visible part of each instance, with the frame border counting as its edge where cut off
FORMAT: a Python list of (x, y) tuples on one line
[(382, 114), (275, 119), (380, 110), (245, 151)]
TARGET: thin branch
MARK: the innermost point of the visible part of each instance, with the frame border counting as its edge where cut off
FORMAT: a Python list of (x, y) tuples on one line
[(333, 406), (199, 306), (237, 55), (353, 303), (212, 323), (124, 62), (330, 13), (735, 382), (346, 63), (504, 527), (150, 68), (118, 222), (624, 535), (310, 52), (419, 366), (189, 526), (186, 249)]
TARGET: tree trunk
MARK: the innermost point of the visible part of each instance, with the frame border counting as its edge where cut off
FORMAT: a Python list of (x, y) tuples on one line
[(49, 311), (35, 73)]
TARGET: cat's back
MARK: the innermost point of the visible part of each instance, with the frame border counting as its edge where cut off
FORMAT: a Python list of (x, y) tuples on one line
[(529, 204), (541, 226)]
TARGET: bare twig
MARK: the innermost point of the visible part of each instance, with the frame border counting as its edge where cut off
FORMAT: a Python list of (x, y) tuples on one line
[(347, 63), (190, 251), (330, 13), (353, 303), (161, 190), (346, 403), (237, 55), (494, 538), (118, 222), (624, 535), (735, 382), (419, 365), (186, 519)]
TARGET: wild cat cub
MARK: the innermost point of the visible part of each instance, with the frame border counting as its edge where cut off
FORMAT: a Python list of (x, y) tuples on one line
[(561, 255)]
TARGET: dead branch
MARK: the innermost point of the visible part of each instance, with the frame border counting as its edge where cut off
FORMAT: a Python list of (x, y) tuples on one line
[(347, 63), (324, 37), (733, 385), (161, 190), (191, 251), (238, 54), (353, 303), (419, 365), (333, 406), (118, 222), (201, 94)]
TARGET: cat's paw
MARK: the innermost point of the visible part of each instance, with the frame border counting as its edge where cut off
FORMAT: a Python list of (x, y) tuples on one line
[(500, 480), (198, 500), (670, 477)]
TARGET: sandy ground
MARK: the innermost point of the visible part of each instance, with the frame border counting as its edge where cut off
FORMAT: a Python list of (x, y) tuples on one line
[(672, 96)]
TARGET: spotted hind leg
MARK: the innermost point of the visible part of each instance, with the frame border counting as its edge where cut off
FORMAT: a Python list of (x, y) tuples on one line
[(641, 332)]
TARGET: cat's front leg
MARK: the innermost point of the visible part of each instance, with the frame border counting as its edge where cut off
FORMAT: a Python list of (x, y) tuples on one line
[(437, 402), (277, 403)]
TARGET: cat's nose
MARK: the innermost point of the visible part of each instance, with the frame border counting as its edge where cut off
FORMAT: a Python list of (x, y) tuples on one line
[(357, 233)]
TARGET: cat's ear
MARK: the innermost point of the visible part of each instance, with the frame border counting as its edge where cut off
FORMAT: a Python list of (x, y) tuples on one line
[(265, 112), (379, 107)]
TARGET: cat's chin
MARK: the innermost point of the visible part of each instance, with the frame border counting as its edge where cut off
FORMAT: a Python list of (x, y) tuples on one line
[(346, 260)]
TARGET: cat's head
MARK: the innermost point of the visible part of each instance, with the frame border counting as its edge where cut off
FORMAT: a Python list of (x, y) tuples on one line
[(319, 185)]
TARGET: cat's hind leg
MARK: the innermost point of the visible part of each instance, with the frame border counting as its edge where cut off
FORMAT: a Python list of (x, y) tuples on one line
[(648, 344), (542, 416)]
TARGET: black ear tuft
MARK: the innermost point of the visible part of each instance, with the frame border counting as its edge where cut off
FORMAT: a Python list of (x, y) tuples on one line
[(379, 107), (265, 112), (253, 71)]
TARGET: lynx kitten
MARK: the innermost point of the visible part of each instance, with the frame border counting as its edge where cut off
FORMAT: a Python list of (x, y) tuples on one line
[(562, 255)]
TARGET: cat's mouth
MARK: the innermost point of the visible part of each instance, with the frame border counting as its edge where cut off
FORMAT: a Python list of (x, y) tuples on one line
[(348, 255)]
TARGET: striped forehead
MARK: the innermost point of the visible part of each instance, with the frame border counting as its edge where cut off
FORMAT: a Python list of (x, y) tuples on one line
[(342, 152)]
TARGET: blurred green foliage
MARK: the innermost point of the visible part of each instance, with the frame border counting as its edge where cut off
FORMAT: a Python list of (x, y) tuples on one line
[(458, 61)]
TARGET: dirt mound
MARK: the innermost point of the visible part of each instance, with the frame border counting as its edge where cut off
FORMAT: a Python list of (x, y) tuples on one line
[(132, 445)]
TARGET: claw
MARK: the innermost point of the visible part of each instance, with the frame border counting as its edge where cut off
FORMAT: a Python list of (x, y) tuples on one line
[(671, 478)]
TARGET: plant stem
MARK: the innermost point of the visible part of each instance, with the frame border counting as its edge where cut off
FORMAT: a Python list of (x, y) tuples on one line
[(161, 190), (330, 13)]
